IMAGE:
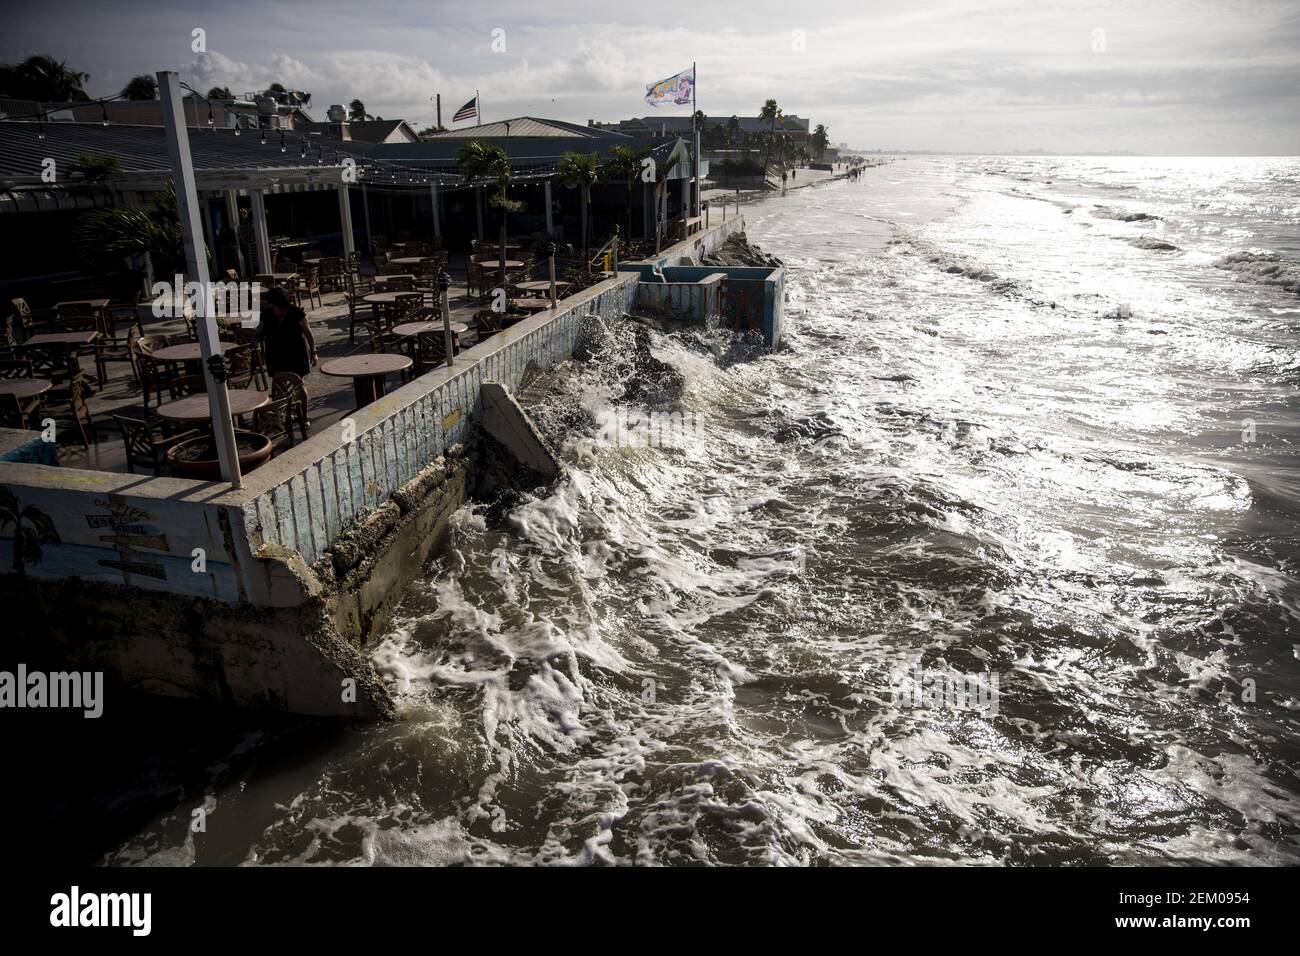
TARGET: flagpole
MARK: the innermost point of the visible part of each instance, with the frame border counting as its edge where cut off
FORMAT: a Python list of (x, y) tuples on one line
[(478, 110), (695, 110)]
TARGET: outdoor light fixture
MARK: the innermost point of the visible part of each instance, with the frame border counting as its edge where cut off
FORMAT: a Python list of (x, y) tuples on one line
[(104, 112), (282, 146), (263, 136)]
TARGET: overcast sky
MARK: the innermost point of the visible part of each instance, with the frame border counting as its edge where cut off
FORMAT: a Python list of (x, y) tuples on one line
[(1156, 76)]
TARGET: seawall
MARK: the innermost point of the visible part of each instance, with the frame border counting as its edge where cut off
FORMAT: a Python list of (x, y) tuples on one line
[(266, 596)]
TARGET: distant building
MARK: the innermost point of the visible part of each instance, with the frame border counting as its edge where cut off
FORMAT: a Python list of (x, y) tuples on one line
[(363, 131), (658, 126)]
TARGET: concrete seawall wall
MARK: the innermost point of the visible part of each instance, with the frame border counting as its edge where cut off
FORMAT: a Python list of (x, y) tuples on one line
[(266, 596)]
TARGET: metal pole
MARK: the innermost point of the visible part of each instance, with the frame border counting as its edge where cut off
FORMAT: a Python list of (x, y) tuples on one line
[(345, 220), (187, 204), (614, 247), (550, 254), (444, 281), (437, 220), (365, 211)]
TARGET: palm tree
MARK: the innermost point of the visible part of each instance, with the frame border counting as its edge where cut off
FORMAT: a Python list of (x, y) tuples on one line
[(43, 78), (477, 160), (772, 112), (623, 164), (32, 528), (581, 170), (356, 111), (733, 130), (111, 234), (142, 87), (220, 93), (820, 139)]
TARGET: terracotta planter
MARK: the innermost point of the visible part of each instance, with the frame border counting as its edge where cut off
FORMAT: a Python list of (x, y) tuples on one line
[(209, 468)]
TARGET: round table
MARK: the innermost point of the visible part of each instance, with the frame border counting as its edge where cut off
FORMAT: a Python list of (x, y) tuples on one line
[(24, 387), (387, 298), (496, 263), (194, 408), (367, 372), (313, 262), (186, 351), (542, 285), (409, 260), (533, 305), (419, 328)]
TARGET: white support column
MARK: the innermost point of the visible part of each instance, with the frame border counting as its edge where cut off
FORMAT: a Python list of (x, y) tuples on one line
[(232, 213), (437, 217), (261, 236), (187, 205), (209, 240), (345, 220), (550, 226), (365, 210)]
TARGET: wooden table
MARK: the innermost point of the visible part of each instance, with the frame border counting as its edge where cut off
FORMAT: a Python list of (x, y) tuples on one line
[(63, 338), (194, 408), (542, 285), (94, 305), (25, 387), (367, 372), (187, 352), (387, 298), (419, 328), (496, 263), (383, 280), (409, 260), (533, 305), (278, 277)]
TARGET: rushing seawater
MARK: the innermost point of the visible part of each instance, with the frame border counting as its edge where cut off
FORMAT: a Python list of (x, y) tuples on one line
[(1005, 438)]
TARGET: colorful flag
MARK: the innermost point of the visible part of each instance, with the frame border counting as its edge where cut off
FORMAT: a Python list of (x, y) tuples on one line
[(467, 111), (677, 90)]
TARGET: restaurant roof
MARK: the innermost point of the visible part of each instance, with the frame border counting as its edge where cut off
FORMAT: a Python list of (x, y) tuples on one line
[(522, 126)]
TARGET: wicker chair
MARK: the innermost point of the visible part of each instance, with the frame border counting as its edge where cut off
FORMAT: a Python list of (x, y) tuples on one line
[(275, 420), (153, 376), (144, 446), (309, 285), (289, 385), (72, 398)]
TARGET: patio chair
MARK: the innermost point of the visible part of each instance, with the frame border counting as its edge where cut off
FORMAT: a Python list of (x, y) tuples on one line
[(72, 400), (19, 366), (430, 352), (289, 385), (55, 362), (144, 446), (183, 386), (241, 367), (274, 420), (18, 413), (309, 285)]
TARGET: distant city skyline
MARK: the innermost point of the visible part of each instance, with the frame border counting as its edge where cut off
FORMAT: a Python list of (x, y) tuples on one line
[(1211, 77)]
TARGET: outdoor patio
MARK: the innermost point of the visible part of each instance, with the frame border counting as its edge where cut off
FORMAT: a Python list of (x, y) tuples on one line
[(393, 315)]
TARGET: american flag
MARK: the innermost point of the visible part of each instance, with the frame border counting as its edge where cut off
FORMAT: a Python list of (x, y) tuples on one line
[(467, 111)]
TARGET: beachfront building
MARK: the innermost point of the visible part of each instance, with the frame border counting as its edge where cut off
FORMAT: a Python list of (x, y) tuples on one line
[(535, 146)]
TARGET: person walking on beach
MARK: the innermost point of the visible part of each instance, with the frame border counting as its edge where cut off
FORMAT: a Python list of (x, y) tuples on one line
[(286, 336), (783, 181)]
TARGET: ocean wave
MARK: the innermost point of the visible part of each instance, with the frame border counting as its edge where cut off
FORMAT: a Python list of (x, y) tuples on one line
[(1262, 268), (1121, 215)]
